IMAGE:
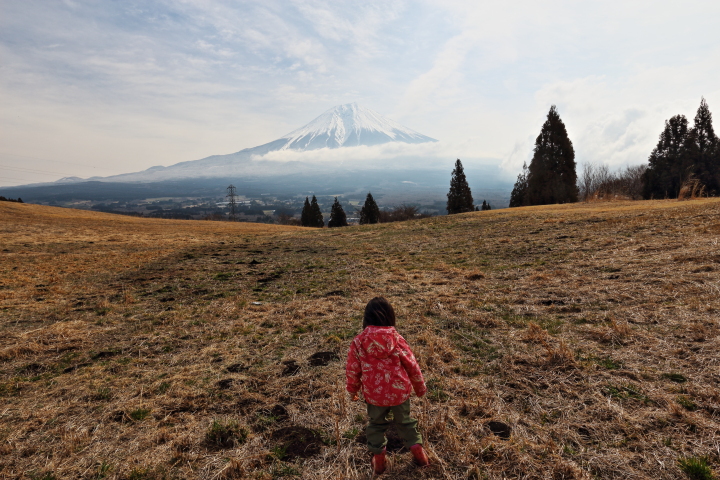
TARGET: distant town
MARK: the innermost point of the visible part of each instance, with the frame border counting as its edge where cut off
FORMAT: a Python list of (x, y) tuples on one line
[(262, 209)]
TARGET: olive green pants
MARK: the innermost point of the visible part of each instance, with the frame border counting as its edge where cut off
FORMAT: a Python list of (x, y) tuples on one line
[(379, 419)]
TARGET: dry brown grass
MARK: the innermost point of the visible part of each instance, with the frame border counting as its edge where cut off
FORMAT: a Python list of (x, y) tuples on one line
[(559, 342)]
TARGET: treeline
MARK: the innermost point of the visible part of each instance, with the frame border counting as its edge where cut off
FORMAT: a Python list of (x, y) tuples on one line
[(597, 182), (370, 213), (3, 199), (685, 155), (685, 163), (459, 200)]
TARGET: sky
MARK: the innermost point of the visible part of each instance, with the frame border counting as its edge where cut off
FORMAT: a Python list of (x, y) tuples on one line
[(103, 87)]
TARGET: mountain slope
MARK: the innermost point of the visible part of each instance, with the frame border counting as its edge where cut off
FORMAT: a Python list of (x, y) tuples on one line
[(342, 126)]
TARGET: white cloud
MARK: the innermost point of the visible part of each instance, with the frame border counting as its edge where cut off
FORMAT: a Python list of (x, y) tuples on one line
[(421, 155), (618, 122), (135, 84)]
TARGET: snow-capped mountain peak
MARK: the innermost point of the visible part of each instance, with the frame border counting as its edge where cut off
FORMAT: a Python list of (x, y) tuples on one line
[(349, 125)]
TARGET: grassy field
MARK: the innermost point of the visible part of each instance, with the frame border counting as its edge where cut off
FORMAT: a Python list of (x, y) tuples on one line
[(559, 342)]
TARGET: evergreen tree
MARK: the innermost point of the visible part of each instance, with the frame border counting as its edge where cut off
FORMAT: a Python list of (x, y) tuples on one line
[(316, 216), (459, 198), (552, 177), (337, 216), (669, 163), (369, 213), (683, 153), (485, 206), (702, 146), (305, 215), (518, 197)]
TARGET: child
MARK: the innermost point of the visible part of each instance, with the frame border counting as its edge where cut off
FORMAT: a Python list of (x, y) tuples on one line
[(382, 364)]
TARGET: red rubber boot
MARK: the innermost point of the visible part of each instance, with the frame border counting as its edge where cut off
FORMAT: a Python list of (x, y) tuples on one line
[(419, 455), (379, 463)]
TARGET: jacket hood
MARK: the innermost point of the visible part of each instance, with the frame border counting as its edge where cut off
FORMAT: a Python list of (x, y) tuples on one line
[(379, 342)]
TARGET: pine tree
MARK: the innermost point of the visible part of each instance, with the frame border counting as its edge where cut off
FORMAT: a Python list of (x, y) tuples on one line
[(518, 197), (485, 206), (337, 216), (552, 177), (316, 216), (702, 146), (459, 198), (305, 215), (669, 163), (369, 213), (683, 153)]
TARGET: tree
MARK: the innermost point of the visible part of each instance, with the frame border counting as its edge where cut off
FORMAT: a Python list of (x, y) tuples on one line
[(518, 197), (287, 219), (702, 147), (668, 163), (586, 181), (316, 216), (485, 206), (551, 176), (459, 198), (684, 154), (337, 216), (305, 215), (369, 213), (401, 213)]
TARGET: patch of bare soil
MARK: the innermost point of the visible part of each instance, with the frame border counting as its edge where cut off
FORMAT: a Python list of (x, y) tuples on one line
[(297, 442)]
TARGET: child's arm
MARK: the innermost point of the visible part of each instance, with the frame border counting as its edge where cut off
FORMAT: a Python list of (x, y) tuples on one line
[(353, 371), (412, 368)]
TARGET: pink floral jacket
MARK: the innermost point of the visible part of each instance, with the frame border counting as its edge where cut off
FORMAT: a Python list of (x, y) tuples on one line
[(381, 363)]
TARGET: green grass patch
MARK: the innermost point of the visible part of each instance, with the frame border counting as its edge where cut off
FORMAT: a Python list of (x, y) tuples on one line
[(282, 470), (696, 468), (435, 391), (147, 473), (605, 362), (278, 452), (675, 377), (226, 434), (627, 391), (163, 387), (103, 393), (139, 414), (552, 325), (103, 470), (42, 476), (686, 403)]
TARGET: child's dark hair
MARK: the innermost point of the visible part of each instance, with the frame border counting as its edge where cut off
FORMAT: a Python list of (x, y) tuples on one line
[(379, 313)]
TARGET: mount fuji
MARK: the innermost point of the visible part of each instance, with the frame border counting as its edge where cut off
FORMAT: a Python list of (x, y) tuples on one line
[(343, 126), (348, 148), (348, 126)]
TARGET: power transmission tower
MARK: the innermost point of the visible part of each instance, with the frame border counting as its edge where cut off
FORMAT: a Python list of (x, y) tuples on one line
[(231, 195)]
